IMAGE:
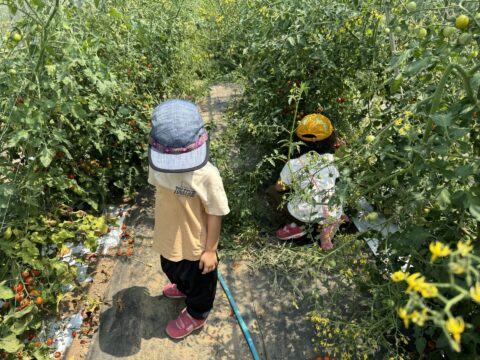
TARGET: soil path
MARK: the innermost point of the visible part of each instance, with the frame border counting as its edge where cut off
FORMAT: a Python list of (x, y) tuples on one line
[(134, 311)]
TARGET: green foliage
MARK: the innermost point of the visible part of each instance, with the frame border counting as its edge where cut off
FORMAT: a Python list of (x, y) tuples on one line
[(78, 83), (33, 268), (405, 100)]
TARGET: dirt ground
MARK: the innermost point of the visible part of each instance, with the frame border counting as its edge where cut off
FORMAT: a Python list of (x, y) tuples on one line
[(129, 312)]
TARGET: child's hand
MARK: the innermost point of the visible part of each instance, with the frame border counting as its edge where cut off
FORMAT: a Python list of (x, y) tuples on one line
[(208, 261)]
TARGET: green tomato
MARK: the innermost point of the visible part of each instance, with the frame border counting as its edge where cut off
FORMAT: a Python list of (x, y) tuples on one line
[(464, 39), (473, 54), (422, 33), (17, 37), (462, 22), (449, 31), (8, 233), (370, 138), (477, 16), (387, 30), (373, 216), (398, 29), (412, 6), (426, 211), (395, 182), (12, 72), (388, 303)]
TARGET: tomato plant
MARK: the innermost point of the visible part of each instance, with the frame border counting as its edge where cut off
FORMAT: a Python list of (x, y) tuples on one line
[(410, 73), (78, 83)]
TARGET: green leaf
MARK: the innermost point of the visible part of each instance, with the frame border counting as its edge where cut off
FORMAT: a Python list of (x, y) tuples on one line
[(92, 203), (475, 80), (121, 135), (39, 356), (29, 251), (102, 87), (7, 190), (443, 199), (19, 314), (19, 327), (419, 65), (46, 157), (100, 120), (420, 344), (78, 111), (397, 60), (114, 13), (10, 344), (5, 291), (15, 139), (395, 84), (442, 119), (474, 205), (464, 171), (457, 133)]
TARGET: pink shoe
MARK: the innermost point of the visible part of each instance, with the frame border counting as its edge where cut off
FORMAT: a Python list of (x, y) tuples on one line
[(171, 291), (183, 325), (290, 231)]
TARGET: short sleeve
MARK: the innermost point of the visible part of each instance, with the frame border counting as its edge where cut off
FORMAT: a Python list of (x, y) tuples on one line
[(215, 199), (151, 176)]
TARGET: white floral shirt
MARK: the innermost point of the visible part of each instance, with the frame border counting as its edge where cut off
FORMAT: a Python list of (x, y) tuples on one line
[(312, 178)]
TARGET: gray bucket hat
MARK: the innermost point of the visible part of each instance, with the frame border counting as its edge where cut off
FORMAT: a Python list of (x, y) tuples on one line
[(178, 140)]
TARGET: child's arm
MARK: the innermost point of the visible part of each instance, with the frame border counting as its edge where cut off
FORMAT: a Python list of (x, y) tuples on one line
[(208, 260)]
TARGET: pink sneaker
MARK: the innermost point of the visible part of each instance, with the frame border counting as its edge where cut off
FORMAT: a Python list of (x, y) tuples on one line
[(290, 231), (171, 291), (183, 325)]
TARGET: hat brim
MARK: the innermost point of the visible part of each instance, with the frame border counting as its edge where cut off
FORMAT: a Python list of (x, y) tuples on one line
[(178, 163)]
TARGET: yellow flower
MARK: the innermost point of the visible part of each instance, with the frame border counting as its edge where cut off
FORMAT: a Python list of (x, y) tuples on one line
[(438, 250), (455, 327), (475, 292), (399, 121), (415, 282), (399, 276), (407, 127), (419, 318), (428, 291), (465, 247), (402, 313), (401, 131), (408, 113)]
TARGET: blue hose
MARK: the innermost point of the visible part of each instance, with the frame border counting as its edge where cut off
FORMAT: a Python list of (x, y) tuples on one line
[(243, 326)]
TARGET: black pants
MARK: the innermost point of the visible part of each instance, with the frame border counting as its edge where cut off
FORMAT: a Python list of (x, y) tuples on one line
[(199, 288)]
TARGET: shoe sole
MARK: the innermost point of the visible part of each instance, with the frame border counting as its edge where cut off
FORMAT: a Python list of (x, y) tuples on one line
[(296, 236), (181, 337)]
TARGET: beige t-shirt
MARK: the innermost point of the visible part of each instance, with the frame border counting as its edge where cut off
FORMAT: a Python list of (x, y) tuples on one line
[(182, 202)]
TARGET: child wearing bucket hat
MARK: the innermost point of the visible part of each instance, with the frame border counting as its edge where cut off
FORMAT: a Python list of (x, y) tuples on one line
[(189, 203), (311, 180)]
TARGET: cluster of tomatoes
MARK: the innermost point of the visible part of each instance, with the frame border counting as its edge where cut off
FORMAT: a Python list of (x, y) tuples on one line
[(127, 241), (25, 291)]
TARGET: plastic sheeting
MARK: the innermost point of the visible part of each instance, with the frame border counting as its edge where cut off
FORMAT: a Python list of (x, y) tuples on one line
[(381, 224), (61, 330)]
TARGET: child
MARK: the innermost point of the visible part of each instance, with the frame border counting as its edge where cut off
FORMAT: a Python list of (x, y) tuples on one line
[(189, 203), (311, 178)]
